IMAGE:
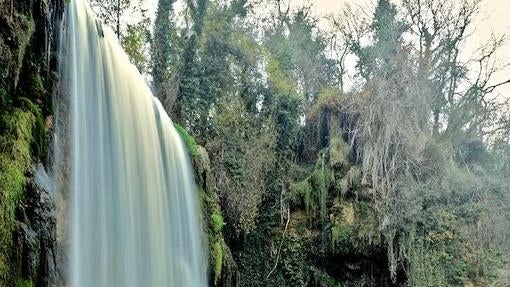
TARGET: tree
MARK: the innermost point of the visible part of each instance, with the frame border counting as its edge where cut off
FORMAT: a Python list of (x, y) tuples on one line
[(244, 157), (135, 41), (418, 124), (135, 36), (112, 12), (188, 69), (164, 54), (441, 28)]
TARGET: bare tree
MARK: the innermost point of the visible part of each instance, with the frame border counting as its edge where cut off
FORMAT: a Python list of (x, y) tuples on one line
[(441, 28)]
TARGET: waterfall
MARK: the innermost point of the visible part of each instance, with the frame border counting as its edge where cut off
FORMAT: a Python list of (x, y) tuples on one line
[(134, 216)]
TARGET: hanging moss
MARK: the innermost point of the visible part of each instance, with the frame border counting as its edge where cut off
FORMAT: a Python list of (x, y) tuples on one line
[(312, 192), (300, 194), (339, 153), (354, 227)]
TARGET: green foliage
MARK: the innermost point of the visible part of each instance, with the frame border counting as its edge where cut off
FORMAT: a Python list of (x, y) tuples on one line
[(436, 264), (279, 79), (134, 43), (20, 282), (244, 155), (354, 228), (322, 279), (294, 265), (215, 223), (163, 48), (191, 92), (16, 129), (190, 142), (301, 194), (437, 221), (426, 269), (257, 264), (254, 264), (218, 222)]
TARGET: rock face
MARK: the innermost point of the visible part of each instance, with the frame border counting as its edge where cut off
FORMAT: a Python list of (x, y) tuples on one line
[(28, 35), (36, 231), (28, 81), (223, 270)]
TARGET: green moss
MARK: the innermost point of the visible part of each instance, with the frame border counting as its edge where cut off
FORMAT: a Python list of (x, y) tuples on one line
[(39, 140), (339, 153), (15, 146), (24, 283), (312, 192), (354, 226), (190, 142), (340, 236), (217, 256), (37, 83), (217, 222)]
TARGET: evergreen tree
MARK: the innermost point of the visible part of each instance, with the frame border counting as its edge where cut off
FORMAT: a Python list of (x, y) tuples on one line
[(164, 51), (188, 69)]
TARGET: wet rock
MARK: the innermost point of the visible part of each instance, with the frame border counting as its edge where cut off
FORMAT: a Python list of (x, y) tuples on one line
[(35, 235)]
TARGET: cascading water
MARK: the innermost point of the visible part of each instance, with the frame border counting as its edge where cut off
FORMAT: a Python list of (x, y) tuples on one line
[(134, 215)]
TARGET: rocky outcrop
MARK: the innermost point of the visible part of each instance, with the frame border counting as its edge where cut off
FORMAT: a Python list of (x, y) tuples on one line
[(223, 270), (36, 231)]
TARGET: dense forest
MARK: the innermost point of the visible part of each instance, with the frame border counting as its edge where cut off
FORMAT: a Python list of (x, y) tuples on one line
[(363, 148)]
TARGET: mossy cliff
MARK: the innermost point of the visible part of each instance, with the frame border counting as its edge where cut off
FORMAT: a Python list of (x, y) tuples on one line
[(222, 268), (27, 82)]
